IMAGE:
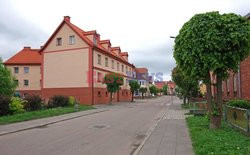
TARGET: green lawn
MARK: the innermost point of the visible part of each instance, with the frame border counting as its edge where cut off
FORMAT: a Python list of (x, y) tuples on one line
[(40, 114), (225, 141)]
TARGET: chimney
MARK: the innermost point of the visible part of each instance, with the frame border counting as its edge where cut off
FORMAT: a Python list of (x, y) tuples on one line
[(26, 48), (67, 18)]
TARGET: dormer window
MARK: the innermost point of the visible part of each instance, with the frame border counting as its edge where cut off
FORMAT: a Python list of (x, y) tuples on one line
[(72, 40), (58, 41), (95, 41)]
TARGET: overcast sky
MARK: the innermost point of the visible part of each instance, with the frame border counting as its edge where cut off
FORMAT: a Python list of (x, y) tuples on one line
[(140, 27)]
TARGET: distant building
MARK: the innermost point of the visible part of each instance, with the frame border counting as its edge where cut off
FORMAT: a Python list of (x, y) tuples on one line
[(26, 68), (171, 86), (142, 79)]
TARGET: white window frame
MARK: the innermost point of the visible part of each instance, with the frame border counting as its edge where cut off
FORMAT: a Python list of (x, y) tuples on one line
[(72, 39)]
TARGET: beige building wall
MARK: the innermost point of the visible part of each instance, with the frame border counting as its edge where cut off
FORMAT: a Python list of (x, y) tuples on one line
[(34, 77), (66, 69), (64, 33), (109, 68)]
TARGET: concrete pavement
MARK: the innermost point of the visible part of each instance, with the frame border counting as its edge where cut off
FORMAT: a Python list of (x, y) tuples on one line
[(119, 129)]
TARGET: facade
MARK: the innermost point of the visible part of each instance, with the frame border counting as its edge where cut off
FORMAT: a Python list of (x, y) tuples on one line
[(75, 61), (238, 84), (26, 68), (142, 79)]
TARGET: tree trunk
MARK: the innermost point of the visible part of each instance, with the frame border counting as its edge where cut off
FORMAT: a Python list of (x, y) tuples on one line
[(209, 94), (184, 100), (132, 100), (110, 98), (215, 122), (142, 96)]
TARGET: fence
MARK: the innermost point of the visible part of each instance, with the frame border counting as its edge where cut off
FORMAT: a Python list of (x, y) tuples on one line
[(238, 117)]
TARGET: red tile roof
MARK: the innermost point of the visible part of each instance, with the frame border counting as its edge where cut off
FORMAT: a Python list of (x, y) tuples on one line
[(141, 70), (26, 56)]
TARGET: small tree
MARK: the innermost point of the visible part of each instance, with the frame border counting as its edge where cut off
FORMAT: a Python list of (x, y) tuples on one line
[(7, 81), (134, 86), (143, 90), (113, 82), (153, 90), (165, 89)]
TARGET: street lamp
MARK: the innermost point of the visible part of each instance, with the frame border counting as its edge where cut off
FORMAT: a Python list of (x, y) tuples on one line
[(173, 37)]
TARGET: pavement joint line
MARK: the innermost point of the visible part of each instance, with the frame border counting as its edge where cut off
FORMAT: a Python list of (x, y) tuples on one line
[(53, 122), (149, 133)]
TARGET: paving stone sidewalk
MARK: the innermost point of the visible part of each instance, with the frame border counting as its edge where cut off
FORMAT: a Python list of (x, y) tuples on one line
[(171, 136), (16, 127)]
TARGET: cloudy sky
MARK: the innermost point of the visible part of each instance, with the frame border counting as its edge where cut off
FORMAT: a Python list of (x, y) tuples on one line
[(140, 27)]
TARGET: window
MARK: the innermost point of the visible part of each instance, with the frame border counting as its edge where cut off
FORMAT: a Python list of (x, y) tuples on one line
[(16, 70), (58, 41), (72, 40), (99, 59), (106, 94), (26, 70), (122, 68), (113, 64), (235, 83), (99, 93), (126, 69), (118, 66), (99, 77), (26, 82), (95, 41), (106, 62)]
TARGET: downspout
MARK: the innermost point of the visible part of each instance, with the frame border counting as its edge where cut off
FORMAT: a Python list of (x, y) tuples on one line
[(239, 82)]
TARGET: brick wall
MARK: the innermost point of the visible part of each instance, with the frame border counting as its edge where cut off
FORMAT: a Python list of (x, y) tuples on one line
[(245, 78)]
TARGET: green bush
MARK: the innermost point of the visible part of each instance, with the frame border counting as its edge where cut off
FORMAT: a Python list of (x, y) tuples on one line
[(4, 105), (34, 102), (239, 103), (17, 105), (72, 100), (58, 101)]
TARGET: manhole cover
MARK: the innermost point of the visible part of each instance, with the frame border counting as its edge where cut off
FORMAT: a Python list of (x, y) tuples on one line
[(99, 126)]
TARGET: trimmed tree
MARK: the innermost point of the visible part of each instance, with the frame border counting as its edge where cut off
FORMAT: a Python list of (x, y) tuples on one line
[(113, 82), (165, 89), (143, 90), (212, 43), (153, 90), (134, 86), (7, 81), (187, 87)]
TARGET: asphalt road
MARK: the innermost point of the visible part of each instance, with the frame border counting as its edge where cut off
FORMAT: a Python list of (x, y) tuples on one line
[(120, 130)]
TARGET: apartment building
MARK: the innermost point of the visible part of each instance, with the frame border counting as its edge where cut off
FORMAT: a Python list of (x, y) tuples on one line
[(142, 77), (26, 68), (75, 61)]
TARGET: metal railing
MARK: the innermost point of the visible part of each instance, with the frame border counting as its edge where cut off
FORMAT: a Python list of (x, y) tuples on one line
[(238, 117)]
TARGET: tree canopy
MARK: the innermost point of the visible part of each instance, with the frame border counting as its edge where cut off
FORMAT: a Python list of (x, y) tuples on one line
[(134, 86), (7, 81), (143, 90), (113, 82)]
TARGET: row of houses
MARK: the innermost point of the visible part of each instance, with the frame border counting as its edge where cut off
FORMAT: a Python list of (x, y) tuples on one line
[(73, 62)]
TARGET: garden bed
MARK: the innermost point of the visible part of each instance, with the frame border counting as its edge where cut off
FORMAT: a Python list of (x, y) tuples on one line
[(222, 141), (30, 115)]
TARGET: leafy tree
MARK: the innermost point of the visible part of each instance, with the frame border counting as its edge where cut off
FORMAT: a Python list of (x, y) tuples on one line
[(113, 82), (165, 89), (212, 43), (143, 90), (7, 81), (134, 86), (153, 90), (187, 87)]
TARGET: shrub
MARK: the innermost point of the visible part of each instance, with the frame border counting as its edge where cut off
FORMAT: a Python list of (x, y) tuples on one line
[(17, 105), (72, 100), (34, 102), (239, 103), (4, 105), (58, 101)]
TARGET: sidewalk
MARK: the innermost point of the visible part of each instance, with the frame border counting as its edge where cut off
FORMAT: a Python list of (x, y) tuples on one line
[(16, 127), (171, 136)]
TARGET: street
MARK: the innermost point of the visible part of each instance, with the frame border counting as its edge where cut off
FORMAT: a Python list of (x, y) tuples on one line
[(119, 130)]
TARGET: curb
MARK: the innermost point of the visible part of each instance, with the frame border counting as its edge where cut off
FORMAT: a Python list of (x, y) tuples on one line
[(49, 123), (149, 133)]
